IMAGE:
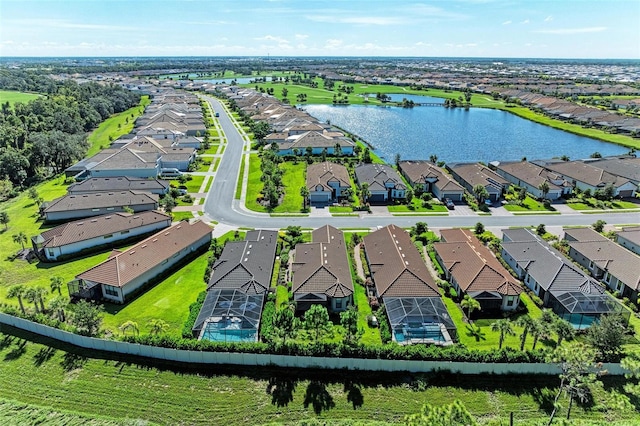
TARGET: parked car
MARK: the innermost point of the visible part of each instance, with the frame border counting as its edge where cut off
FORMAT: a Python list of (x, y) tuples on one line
[(449, 203)]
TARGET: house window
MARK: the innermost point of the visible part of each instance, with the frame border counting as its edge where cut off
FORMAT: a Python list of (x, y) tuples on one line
[(50, 252), (110, 208), (590, 265), (126, 231), (619, 286), (110, 290), (607, 278), (95, 210), (339, 304), (108, 236), (510, 300)]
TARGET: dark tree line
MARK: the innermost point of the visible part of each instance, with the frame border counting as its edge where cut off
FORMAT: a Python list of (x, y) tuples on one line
[(48, 134)]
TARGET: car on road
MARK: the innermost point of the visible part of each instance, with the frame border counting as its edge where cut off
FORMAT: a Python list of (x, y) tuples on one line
[(449, 203)]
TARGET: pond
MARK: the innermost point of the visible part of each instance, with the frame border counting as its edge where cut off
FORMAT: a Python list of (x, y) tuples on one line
[(456, 134)]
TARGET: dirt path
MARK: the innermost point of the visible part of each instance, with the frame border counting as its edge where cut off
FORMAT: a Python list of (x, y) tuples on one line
[(358, 260)]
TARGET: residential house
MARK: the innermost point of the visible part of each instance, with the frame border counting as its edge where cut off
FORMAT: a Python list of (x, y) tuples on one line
[(425, 176), (471, 174), (316, 142), (118, 184), (629, 237), (96, 204), (627, 167), (126, 272), (561, 286), (240, 280), (126, 162), (531, 176), (327, 182), (384, 182), (616, 266), (472, 269), (321, 271), (408, 291), (75, 237)]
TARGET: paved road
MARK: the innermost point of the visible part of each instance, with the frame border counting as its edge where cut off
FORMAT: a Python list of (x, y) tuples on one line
[(221, 206)]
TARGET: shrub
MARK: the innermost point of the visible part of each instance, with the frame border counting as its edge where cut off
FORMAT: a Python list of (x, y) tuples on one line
[(383, 321), (266, 323), (194, 310), (537, 300), (452, 293)]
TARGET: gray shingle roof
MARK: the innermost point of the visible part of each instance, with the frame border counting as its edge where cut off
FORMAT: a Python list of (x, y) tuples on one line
[(377, 176), (322, 173), (120, 183), (101, 200)]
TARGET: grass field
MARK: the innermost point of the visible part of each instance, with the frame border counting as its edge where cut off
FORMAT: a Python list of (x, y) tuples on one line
[(114, 127), (293, 179), (60, 381), (177, 216), (615, 205), (416, 206), (12, 97), (528, 205)]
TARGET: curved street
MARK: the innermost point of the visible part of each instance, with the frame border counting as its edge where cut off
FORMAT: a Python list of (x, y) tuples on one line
[(221, 206)]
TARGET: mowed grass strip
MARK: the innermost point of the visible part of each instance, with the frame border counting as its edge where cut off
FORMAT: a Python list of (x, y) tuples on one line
[(59, 381), (13, 97)]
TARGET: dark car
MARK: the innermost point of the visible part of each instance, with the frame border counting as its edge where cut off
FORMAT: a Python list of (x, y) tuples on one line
[(449, 203)]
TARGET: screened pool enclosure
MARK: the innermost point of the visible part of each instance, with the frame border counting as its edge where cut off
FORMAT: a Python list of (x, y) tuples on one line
[(581, 309), (419, 320), (229, 315)]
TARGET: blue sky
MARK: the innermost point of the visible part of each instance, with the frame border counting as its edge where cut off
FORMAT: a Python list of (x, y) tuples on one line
[(444, 28)]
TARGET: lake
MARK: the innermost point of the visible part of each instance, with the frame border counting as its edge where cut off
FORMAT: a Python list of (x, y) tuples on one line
[(456, 134)]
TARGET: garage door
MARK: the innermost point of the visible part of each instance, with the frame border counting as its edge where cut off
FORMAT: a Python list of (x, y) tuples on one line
[(319, 198), (377, 198), (454, 197)]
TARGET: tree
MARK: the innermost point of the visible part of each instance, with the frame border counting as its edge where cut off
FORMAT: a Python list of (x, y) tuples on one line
[(169, 203), (304, 193), (607, 337), (541, 229), (470, 304), (596, 155), (454, 414), (537, 329), (564, 330), (20, 238), (349, 321), (481, 193), (433, 158), (316, 320), (366, 156), (56, 284), (408, 196), (364, 192), (87, 317), (577, 363), (598, 225), (632, 364), (157, 326), (129, 325), (544, 188), (503, 326), (479, 228), (18, 291), (284, 323), (526, 322), (33, 295), (33, 193), (57, 306), (397, 159), (4, 219)]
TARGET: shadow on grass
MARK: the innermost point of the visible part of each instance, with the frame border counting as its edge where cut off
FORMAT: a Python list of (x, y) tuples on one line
[(318, 397), (16, 352), (281, 389), (43, 355), (71, 361)]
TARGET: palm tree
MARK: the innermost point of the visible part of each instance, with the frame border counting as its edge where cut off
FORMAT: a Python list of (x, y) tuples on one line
[(544, 188), (364, 192), (4, 219), (503, 326), (564, 330), (526, 322), (58, 305), (129, 325), (470, 303), (40, 294), (538, 329), (304, 192), (337, 149), (433, 158), (481, 193), (18, 291), (157, 326), (32, 296), (56, 284), (20, 238)]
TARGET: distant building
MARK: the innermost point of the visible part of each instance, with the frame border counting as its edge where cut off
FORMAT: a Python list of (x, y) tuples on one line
[(95, 204)]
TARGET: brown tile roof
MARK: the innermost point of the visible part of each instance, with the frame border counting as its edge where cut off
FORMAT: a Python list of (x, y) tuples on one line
[(528, 172), (86, 229), (322, 266), (124, 267), (421, 171), (478, 174), (396, 265), (101, 200), (472, 265), (590, 174), (321, 173)]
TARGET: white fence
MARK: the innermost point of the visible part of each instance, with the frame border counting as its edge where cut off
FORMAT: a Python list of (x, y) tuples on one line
[(232, 358)]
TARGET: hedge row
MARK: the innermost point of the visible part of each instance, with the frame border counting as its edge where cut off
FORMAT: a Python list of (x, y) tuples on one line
[(194, 310)]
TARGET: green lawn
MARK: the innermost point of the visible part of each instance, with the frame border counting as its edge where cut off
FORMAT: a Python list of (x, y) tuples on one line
[(592, 204), (282, 295), (177, 216), (371, 335), (114, 127), (57, 381), (293, 178), (416, 206), (12, 97), (192, 185), (168, 300), (204, 164), (340, 209), (528, 205)]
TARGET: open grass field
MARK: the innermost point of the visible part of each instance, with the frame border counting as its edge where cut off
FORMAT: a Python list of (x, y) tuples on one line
[(53, 381), (12, 97), (528, 205), (114, 127), (293, 179)]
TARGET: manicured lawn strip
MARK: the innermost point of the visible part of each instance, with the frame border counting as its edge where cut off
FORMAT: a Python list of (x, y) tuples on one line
[(114, 127), (13, 96), (204, 165), (194, 184), (240, 178), (371, 335), (340, 209), (178, 216), (617, 204), (254, 184), (529, 205), (416, 206), (212, 150), (169, 300), (293, 178), (282, 295)]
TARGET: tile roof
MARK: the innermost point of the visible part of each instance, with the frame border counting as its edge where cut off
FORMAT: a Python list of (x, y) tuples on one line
[(322, 173), (473, 265), (101, 200), (127, 159), (630, 233), (86, 229), (246, 265), (478, 174), (626, 167), (377, 175), (587, 173), (530, 173), (123, 267), (396, 266), (421, 170), (322, 266), (119, 183)]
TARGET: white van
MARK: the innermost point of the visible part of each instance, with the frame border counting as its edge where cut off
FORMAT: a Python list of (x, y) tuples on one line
[(170, 173)]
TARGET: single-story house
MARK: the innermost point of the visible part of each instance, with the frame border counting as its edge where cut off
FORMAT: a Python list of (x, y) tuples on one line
[(384, 182), (472, 269), (125, 272), (318, 143), (118, 184), (98, 203), (326, 182), (629, 237), (588, 176), (408, 291), (321, 272), (562, 286), (75, 237), (471, 174), (127, 162), (616, 266), (530, 176), (425, 176)]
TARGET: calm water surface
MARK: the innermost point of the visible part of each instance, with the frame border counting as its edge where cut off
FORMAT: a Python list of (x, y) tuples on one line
[(456, 135)]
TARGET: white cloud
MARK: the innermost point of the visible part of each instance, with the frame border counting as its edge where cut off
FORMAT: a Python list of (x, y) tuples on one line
[(507, 23), (276, 39), (333, 43), (301, 36), (61, 23), (526, 21), (548, 18), (357, 20), (564, 31)]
